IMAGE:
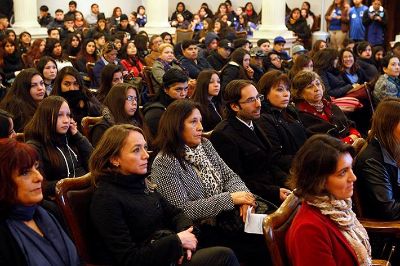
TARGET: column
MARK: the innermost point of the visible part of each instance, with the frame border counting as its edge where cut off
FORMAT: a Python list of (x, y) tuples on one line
[(157, 17), (273, 23), (25, 13), (321, 34)]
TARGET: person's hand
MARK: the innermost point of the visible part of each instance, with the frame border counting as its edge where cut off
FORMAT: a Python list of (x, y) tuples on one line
[(250, 71), (188, 239), (73, 127), (243, 211), (188, 257), (283, 193), (174, 23), (242, 197)]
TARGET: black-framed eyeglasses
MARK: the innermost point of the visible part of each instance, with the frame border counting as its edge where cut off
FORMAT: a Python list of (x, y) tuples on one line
[(131, 99), (259, 97)]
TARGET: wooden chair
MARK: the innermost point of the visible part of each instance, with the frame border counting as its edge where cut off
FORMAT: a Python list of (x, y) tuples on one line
[(182, 35), (73, 196), (241, 34), (148, 78), (87, 122), (275, 227)]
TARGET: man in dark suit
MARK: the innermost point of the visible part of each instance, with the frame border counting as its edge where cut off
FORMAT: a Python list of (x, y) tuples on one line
[(244, 147)]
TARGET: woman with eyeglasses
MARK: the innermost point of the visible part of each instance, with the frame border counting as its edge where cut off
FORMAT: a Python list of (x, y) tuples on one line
[(23, 98), (120, 107), (63, 151), (279, 118), (316, 113)]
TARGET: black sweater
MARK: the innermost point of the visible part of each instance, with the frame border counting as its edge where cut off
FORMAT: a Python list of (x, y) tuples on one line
[(137, 226)]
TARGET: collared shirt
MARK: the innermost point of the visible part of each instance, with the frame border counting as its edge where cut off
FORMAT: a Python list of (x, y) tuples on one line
[(249, 125)]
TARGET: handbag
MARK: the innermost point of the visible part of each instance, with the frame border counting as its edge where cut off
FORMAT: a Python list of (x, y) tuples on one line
[(347, 104)]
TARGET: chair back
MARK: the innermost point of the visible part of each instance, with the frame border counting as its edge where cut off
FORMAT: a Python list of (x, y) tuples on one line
[(241, 34), (87, 122), (183, 34), (73, 196), (148, 78), (275, 227)]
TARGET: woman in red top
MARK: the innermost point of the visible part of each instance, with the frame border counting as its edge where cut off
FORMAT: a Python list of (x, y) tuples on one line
[(130, 60), (316, 113), (325, 231)]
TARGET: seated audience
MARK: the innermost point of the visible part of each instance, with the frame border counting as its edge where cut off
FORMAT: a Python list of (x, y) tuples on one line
[(378, 52), (156, 232), (189, 173), (273, 61), (155, 42), (211, 44), (63, 151), (301, 62), (243, 145), (256, 63), (350, 70), (278, 47), (365, 60), (100, 27), (44, 17), (192, 63), (237, 68), (141, 18), (54, 49), (120, 107), (108, 56), (376, 166), (388, 84), (115, 17), (316, 113), (47, 67), (130, 61), (69, 84), (167, 38), (6, 125), (72, 46), (265, 45), (298, 25), (251, 13), (175, 87), (279, 119), (91, 18), (26, 92), (29, 234), (24, 42), (33, 55), (110, 76), (181, 9), (207, 96), (318, 45), (220, 57), (80, 23), (163, 63), (325, 230), (125, 27), (87, 57), (10, 59)]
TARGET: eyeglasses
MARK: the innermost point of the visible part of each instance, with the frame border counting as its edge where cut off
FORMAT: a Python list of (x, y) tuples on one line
[(131, 99), (259, 97)]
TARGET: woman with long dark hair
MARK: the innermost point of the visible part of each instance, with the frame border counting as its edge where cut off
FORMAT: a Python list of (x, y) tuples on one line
[(237, 68), (54, 49), (63, 151), (34, 53), (130, 61), (208, 87), (22, 100), (72, 45), (87, 57), (10, 59), (110, 76), (47, 67)]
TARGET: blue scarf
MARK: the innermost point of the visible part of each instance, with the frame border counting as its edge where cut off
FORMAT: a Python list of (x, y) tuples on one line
[(53, 248)]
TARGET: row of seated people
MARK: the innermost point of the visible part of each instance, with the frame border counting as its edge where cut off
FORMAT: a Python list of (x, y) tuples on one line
[(202, 186)]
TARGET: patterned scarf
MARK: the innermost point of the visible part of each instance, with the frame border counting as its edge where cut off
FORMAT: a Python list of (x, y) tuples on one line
[(209, 177), (340, 212)]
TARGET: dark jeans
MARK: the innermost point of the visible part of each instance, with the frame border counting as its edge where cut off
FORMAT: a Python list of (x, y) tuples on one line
[(221, 256)]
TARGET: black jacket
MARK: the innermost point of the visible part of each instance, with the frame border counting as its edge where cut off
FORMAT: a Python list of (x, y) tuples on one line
[(10, 252), (369, 68), (210, 116), (285, 132), (216, 61), (137, 226), (194, 68), (249, 154), (300, 28), (76, 165), (335, 85), (378, 183)]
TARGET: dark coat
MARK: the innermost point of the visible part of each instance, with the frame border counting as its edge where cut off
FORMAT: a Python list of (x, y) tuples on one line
[(98, 67), (216, 61), (369, 68), (194, 68), (300, 28), (77, 165), (285, 132), (335, 85), (249, 154), (137, 226), (378, 183), (10, 252), (211, 116), (361, 77)]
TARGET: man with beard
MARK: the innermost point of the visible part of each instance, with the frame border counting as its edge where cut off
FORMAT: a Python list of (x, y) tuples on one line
[(244, 147)]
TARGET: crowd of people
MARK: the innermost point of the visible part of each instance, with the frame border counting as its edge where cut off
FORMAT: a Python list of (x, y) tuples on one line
[(232, 125)]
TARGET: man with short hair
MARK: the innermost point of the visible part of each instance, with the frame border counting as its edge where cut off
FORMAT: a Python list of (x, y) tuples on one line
[(58, 21), (243, 145), (155, 42), (124, 26), (94, 12), (71, 8), (44, 17), (175, 83), (264, 45), (191, 60), (53, 33), (220, 57)]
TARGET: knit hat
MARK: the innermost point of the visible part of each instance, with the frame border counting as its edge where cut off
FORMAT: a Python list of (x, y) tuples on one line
[(101, 16), (210, 37), (123, 17)]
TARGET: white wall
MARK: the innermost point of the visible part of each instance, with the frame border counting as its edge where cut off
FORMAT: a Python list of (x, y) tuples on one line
[(107, 6)]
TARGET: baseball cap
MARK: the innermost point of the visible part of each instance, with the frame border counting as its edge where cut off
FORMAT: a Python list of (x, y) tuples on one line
[(279, 39), (226, 44), (297, 49)]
